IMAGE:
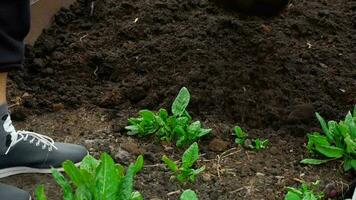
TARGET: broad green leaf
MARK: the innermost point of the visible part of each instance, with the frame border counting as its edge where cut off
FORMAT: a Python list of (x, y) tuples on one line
[(89, 163), (347, 164), (170, 163), (354, 113), (126, 187), (324, 126), (314, 161), (204, 132), (138, 164), (147, 115), (181, 102), (292, 196), (190, 155), (133, 129), (188, 195), (330, 151), (350, 145), (163, 114), (64, 184), (239, 132), (73, 173), (82, 193), (349, 121), (136, 196), (194, 127), (107, 178), (40, 193), (353, 164)]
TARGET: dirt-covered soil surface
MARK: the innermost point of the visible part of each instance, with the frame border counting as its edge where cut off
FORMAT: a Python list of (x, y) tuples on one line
[(102, 61)]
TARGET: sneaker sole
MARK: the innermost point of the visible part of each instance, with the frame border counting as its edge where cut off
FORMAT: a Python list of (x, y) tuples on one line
[(27, 170)]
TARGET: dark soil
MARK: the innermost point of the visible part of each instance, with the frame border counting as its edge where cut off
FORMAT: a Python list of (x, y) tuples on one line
[(96, 67)]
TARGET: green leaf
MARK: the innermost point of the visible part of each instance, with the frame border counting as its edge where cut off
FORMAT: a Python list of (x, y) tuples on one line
[(181, 102), (147, 115), (133, 129), (204, 132), (89, 163), (64, 184), (292, 196), (324, 126), (188, 195), (82, 193), (107, 178), (40, 193), (239, 132), (136, 196), (190, 155), (138, 164), (170, 163), (354, 113), (73, 173), (330, 151), (126, 188), (309, 161)]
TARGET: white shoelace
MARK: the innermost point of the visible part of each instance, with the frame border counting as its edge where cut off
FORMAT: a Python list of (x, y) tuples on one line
[(18, 136)]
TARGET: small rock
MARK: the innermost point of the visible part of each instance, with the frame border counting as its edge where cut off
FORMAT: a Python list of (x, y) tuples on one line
[(247, 143), (132, 147), (48, 71), (39, 62), (218, 145), (206, 177), (57, 106), (273, 150), (301, 113), (122, 156)]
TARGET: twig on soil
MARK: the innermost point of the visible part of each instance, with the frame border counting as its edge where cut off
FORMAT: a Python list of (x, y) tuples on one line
[(81, 38), (173, 193), (92, 6), (95, 72), (156, 165), (221, 157)]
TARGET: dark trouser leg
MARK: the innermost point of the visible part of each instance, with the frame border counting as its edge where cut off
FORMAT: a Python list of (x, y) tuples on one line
[(14, 26)]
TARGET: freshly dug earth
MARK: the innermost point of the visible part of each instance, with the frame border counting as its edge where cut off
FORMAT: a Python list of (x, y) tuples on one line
[(102, 61)]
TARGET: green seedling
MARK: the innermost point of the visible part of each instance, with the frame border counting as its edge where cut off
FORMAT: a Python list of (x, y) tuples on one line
[(185, 172), (338, 141), (96, 180), (188, 195), (305, 192), (176, 127), (242, 136)]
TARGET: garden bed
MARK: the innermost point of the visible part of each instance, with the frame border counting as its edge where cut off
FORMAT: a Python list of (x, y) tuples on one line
[(102, 61)]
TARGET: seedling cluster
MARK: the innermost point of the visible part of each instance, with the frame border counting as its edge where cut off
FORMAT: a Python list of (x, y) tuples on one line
[(185, 171), (103, 179), (305, 192), (337, 141), (176, 127), (242, 137)]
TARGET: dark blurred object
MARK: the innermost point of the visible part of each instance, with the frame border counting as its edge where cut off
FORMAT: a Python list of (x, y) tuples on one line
[(256, 7)]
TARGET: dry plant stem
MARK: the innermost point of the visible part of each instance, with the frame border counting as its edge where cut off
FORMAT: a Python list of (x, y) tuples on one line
[(3, 81)]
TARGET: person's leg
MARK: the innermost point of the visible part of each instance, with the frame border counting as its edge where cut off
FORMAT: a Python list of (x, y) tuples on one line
[(23, 151)]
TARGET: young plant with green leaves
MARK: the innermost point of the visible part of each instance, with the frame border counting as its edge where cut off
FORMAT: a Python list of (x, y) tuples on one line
[(242, 136), (188, 195), (185, 172), (96, 180), (338, 141), (305, 192), (176, 127)]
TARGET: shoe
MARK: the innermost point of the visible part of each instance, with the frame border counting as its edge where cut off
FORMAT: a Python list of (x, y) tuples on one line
[(29, 152), (12, 193)]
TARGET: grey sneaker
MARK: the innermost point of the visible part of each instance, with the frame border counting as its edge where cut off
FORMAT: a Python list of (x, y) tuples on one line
[(12, 193), (29, 152)]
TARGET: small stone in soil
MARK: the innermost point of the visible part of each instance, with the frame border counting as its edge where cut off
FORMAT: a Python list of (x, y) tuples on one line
[(57, 106), (122, 156), (218, 145)]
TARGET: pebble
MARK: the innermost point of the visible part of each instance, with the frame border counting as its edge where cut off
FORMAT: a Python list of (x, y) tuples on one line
[(57, 106), (132, 147), (206, 177), (218, 145), (122, 156)]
